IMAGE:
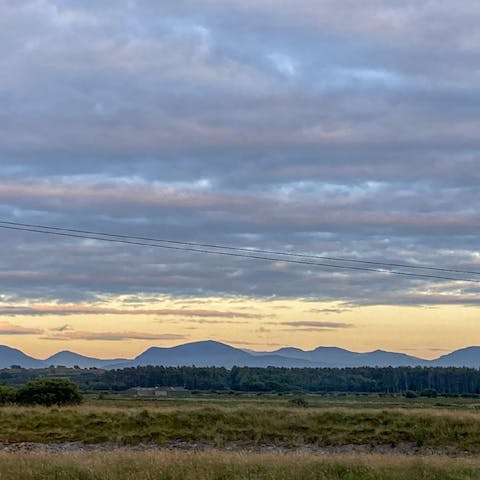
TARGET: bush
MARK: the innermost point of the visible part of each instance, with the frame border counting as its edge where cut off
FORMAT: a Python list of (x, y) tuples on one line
[(49, 391), (298, 402), (429, 392), (410, 394), (7, 394)]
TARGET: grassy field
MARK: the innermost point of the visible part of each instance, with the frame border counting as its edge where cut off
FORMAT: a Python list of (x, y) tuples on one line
[(364, 401), (231, 466), (248, 437), (249, 423)]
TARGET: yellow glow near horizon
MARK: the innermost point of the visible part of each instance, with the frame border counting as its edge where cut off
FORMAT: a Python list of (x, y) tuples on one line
[(105, 330)]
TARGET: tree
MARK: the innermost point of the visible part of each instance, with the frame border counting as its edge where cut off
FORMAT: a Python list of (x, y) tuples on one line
[(7, 394), (48, 392)]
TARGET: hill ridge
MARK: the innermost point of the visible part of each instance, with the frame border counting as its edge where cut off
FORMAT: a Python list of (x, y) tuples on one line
[(214, 353)]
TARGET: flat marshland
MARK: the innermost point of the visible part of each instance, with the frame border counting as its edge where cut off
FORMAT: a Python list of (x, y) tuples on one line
[(246, 423), (245, 437)]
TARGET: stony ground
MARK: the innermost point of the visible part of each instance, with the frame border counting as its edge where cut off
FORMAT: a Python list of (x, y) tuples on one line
[(405, 448)]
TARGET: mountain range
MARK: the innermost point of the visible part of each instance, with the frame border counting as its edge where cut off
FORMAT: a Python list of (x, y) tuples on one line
[(211, 353)]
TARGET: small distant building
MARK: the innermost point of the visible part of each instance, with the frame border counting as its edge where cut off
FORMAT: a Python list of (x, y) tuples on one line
[(159, 391)]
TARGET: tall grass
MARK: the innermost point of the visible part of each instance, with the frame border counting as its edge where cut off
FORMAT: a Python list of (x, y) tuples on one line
[(245, 427), (230, 466)]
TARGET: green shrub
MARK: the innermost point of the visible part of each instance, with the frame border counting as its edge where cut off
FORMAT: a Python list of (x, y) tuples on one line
[(49, 391), (298, 402), (7, 394), (429, 392)]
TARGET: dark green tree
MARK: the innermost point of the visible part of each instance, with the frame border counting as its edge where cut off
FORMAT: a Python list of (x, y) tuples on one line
[(7, 394), (48, 392)]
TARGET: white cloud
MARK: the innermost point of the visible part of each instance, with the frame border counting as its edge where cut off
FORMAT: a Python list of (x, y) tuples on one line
[(284, 64)]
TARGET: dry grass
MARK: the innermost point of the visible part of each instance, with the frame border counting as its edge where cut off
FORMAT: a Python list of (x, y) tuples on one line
[(246, 425), (231, 466)]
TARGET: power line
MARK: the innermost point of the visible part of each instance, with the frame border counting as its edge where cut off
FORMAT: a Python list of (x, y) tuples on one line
[(243, 249), (230, 254)]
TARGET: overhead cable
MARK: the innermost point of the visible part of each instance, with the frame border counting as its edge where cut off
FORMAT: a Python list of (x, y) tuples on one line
[(243, 249), (104, 238)]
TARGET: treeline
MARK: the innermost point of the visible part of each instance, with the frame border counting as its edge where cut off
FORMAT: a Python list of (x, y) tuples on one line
[(399, 380), (447, 381)]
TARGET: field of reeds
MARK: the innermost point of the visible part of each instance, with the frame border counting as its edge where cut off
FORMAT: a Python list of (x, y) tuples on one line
[(231, 466)]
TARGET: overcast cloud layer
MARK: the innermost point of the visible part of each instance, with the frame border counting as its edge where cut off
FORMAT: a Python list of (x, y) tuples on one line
[(336, 128)]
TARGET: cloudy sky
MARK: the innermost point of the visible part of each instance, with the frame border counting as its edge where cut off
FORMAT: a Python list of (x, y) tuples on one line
[(334, 128)]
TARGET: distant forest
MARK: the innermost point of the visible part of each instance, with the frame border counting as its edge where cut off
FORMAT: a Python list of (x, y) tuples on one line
[(400, 380)]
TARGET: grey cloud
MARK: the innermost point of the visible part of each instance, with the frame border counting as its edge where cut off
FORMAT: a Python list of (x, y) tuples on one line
[(106, 269), (343, 129), (63, 310), (432, 299), (7, 328), (217, 322), (239, 119), (305, 208), (251, 344), (112, 336), (328, 311), (317, 325)]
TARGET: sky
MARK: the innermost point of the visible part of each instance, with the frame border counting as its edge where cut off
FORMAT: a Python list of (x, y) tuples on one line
[(333, 128)]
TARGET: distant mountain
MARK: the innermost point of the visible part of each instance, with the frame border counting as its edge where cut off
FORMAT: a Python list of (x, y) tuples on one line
[(202, 354), (289, 352), (380, 358), (465, 357), (70, 359), (11, 356), (339, 357), (324, 356), (210, 353)]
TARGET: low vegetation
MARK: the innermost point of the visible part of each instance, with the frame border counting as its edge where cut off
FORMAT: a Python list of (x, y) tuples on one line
[(248, 437), (288, 426), (7, 394), (230, 466), (235, 436)]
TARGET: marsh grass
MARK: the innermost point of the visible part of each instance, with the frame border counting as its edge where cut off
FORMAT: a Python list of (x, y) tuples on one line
[(244, 426), (230, 466), (366, 401)]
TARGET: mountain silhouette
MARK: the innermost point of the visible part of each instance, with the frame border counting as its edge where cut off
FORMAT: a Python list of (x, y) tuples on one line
[(70, 359), (339, 357), (210, 353), (11, 356), (465, 357)]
